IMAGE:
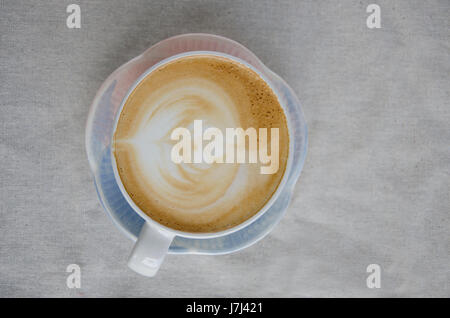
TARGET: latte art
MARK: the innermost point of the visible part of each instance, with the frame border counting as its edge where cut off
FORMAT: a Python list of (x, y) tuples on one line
[(198, 196)]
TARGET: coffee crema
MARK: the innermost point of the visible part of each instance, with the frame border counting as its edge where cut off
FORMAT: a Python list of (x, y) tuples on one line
[(196, 197)]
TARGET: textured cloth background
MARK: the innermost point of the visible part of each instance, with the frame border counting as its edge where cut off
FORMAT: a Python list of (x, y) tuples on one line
[(374, 189)]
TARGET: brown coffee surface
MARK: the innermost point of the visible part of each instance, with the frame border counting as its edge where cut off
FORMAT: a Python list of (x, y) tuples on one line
[(196, 197)]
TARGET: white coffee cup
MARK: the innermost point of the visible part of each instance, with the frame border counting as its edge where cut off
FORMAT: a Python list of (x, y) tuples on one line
[(154, 239)]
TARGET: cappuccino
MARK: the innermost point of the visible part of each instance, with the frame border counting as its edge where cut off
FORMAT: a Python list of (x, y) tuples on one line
[(200, 196)]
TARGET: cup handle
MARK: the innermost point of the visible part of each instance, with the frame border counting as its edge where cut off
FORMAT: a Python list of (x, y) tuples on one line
[(149, 251)]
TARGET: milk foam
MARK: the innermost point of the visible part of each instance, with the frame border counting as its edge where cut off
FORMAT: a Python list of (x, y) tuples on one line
[(192, 197)]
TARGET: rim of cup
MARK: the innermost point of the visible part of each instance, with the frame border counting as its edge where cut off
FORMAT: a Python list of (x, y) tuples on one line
[(253, 218)]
